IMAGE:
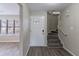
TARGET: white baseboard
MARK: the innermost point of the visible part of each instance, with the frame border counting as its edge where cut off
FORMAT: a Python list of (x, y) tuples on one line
[(69, 51), (38, 43), (27, 50), (65, 47)]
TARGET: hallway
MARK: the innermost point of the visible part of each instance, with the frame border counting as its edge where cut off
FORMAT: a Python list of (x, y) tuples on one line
[(46, 19), (53, 48), (47, 51)]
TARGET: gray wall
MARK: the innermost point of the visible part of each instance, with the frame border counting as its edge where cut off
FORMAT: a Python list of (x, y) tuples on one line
[(69, 28), (52, 22)]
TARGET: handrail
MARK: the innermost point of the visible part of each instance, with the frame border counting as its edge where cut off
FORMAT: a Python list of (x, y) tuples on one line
[(63, 32)]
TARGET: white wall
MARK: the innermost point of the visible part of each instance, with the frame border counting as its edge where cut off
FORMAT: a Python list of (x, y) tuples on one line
[(42, 41), (69, 25), (25, 29), (52, 22), (9, 9)]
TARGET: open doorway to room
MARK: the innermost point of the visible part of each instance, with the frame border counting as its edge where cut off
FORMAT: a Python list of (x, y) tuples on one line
[(9, 29), (52, 29)]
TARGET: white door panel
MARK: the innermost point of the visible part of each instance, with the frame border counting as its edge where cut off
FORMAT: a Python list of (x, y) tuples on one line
[(37, 30)]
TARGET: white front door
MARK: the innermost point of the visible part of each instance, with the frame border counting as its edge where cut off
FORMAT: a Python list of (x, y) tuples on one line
[(37, 31)]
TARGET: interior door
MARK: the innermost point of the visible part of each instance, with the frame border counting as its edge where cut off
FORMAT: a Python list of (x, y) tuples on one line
[(37, 30)]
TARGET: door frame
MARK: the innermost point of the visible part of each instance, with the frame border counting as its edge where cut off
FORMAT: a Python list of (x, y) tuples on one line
[(21, 26)]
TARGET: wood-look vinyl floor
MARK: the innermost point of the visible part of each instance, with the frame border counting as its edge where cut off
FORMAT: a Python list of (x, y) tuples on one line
[(47, 51)]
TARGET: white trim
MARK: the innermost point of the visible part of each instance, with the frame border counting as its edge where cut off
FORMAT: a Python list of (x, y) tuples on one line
[(60, 39), (65, 47), (27, 50), (69, 51), (38, 44)]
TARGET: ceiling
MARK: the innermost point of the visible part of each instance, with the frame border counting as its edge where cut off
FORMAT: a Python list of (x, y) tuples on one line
[(47, 6), (9, 9)]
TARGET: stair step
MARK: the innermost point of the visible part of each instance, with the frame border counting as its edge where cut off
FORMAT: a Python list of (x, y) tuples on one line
[(52, 37), (55, 45), (53, 41), (52, 33), (58, 43)]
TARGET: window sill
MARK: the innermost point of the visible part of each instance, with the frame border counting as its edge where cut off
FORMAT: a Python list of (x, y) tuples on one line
[(9, 41)]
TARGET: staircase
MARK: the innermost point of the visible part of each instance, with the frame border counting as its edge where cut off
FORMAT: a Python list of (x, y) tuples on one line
[(53, 40)]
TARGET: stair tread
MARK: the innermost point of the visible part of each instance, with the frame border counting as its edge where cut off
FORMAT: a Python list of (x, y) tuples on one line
[(52, 37), (54, 43), (53, 40), (55, 46)]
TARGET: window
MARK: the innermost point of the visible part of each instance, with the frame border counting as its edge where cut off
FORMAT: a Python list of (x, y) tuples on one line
[(9, 26)]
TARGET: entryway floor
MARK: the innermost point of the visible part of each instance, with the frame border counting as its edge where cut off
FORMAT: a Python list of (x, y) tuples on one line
[(47, 51)]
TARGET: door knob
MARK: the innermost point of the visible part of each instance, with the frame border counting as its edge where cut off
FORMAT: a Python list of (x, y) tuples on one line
[(42, 30)]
